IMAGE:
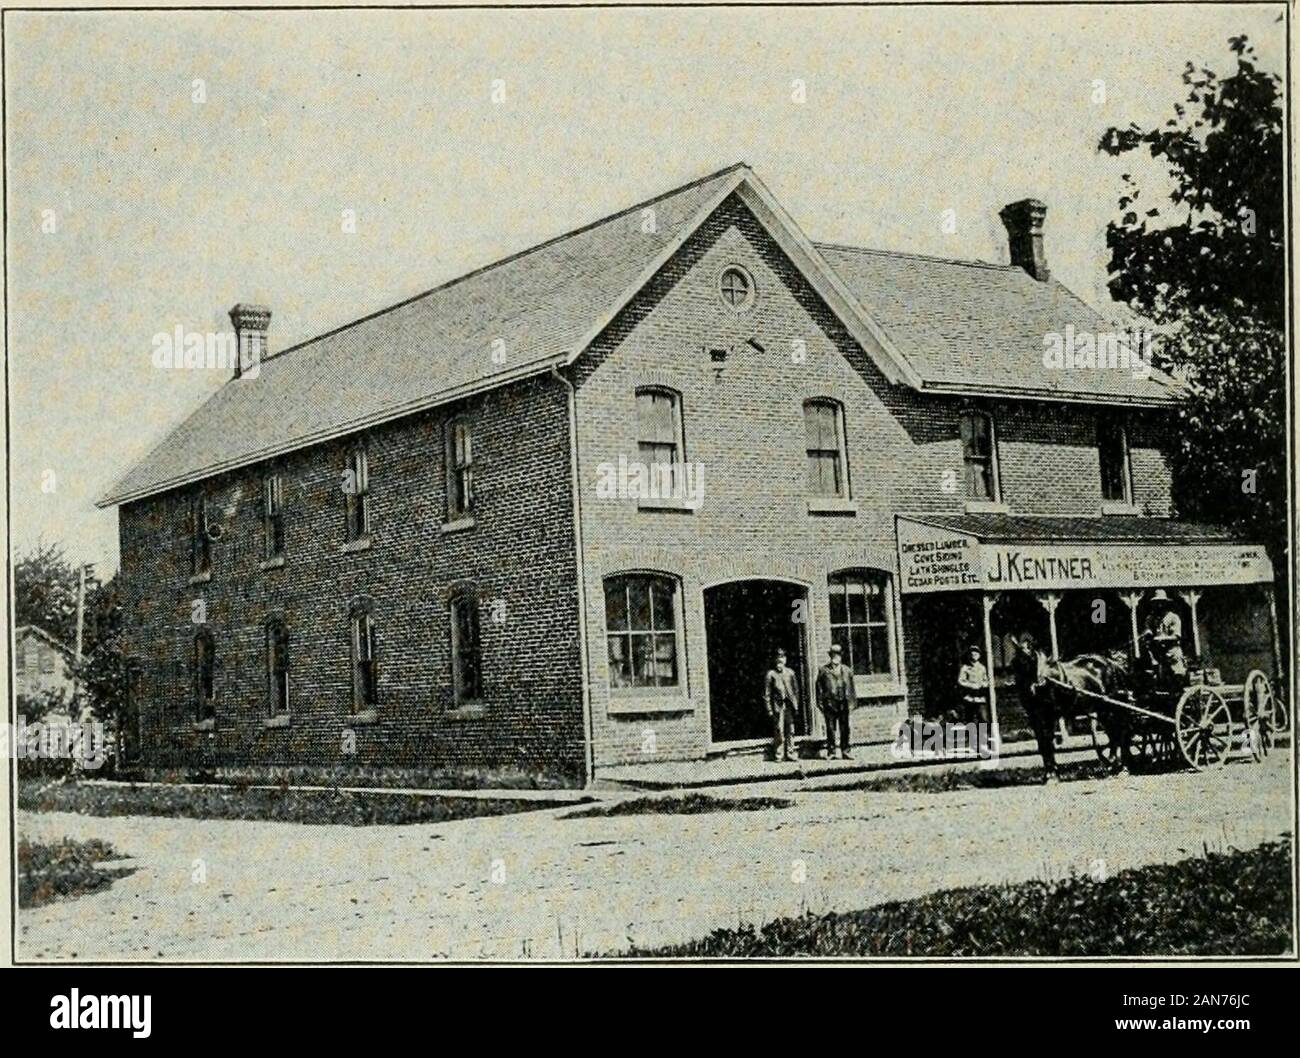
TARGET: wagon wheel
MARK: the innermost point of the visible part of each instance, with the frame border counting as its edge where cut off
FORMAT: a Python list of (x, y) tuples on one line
[(1203, 723), (1260, 713), (1149, 748), (1107, 749)]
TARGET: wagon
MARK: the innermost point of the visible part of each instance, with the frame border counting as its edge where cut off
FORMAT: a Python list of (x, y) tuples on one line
[(1203, 722)]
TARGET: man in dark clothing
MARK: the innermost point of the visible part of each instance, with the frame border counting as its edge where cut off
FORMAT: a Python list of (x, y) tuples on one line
[(781, 692), (834, 693)]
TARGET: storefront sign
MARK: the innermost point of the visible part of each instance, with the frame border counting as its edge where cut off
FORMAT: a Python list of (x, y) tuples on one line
[(933, 559), (936, 559)]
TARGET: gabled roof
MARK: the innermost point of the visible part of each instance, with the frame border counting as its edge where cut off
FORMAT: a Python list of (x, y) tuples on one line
[(919, 319), (971, 327), (40, 633)]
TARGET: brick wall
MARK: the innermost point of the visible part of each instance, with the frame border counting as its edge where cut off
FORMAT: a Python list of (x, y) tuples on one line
[(746, 428), (519, 557)]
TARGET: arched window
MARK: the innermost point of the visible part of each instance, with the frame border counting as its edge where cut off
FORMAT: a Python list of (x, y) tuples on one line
[(641, 630), (823, 423), (460, 468), (365, 664), (205, 662), (466, 658), (277, 668), (860, 620), (979, 456)]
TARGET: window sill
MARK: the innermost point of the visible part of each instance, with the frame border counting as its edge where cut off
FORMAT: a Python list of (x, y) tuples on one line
[(201, 578), (667, 503), (832, 505), (363, 718), (459, 525), (273, 563), (872, 690), (361, 543), (632, 704), (276, 721), (987, 507), (466, 711), (1117, 507), (204, 725)]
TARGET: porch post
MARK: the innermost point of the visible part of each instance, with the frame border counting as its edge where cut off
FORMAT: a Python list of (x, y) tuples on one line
[(988, 600), (1131, 600), (1271, 591), (1192, 597), (1049, 602)]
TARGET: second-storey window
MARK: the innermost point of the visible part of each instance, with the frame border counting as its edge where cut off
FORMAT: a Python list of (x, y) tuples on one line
[(277, 668), (460, 469), (365, 666), (205, 661), (978, 457), (1112, 453), (272, 516), (659, 427), (466, 667), (823, 428), (641, 630), (356, 494), (200, 541)]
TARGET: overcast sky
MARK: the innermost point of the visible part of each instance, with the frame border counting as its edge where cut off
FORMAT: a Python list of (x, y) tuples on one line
[(168, 210)]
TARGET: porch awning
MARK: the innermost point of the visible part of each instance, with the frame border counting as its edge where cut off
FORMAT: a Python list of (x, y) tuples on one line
[(1002, 552)]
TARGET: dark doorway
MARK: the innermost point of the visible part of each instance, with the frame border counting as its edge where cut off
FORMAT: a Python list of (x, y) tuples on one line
[(744, 623)]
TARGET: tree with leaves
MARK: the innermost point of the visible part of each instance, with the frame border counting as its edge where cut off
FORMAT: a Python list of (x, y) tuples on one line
[(1204, 258), (1216, 239)]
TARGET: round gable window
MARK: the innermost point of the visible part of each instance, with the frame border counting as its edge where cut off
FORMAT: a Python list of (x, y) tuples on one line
[(736, 287)]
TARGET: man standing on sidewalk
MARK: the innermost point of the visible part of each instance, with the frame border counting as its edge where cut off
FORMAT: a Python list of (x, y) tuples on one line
[(834, 693), (782, 694)]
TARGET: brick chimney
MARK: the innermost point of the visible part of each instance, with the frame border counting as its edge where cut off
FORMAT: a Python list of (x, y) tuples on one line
[(251, 323), (1024, 223)]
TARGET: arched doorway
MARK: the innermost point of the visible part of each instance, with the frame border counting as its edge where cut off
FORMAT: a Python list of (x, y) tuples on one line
[(745, 621)]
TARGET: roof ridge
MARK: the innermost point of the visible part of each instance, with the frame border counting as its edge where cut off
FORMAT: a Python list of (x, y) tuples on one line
[(918, 256), (690, 185)]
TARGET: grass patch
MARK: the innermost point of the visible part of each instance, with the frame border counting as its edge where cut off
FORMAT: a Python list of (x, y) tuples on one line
[(689, 805), (1234, 903), (64, 870), (281, 805), (945, 780)]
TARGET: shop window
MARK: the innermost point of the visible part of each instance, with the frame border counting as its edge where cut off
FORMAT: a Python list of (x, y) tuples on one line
[(860, 603), (641, 631)]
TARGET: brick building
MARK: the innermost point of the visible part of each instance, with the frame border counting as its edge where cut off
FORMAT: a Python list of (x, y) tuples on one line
[(556, 515)]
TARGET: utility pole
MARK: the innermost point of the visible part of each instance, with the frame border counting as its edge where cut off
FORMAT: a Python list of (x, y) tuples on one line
[(81, 605)]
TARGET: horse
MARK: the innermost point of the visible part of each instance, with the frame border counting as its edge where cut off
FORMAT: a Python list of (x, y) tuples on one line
[(1039, 680)]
